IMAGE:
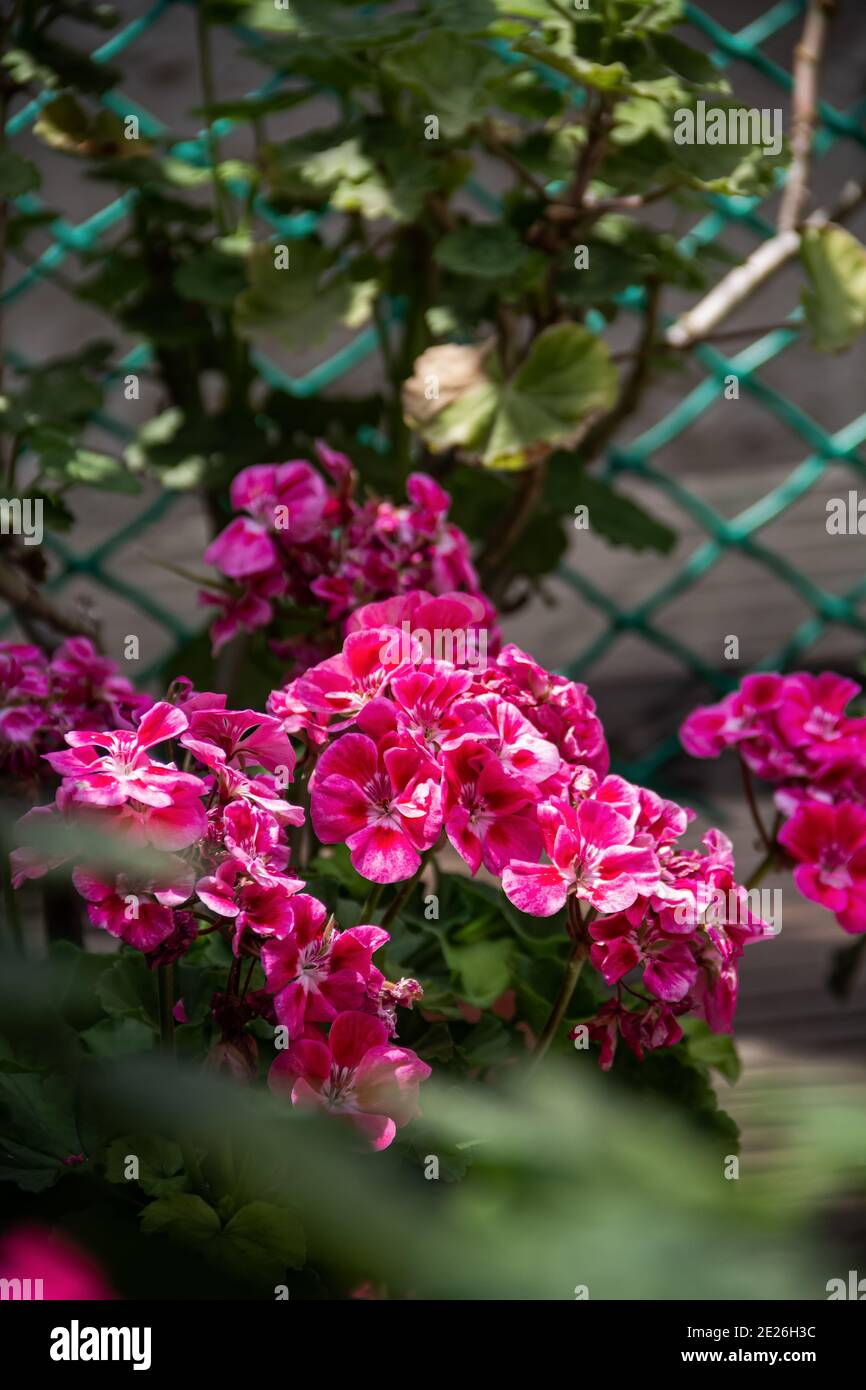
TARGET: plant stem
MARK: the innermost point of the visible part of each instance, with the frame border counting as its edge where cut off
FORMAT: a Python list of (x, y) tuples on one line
[(636, 381), (807, 65), (246, 983), (404, 892), (193, 1169), (25, 597), (10, 902), (763, 868), (165, 988), (372, 898), (207, 88), (493, 561), (562, 1001), (749, 789)]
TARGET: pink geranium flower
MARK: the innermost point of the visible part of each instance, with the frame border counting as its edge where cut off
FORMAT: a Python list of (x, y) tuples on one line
[(243, 549), (346, 683), (812, 713), (262, 791), (383, 802), (357, 1073), (517, 744), (295, 715), (263, 908), (295, 486), (255, 843), (629, 939), (650, 1028), (164, 803), (561, 710), (314, 971), (135, 911), (424, 705), (489, 813), (240, 737), (829, 845), (245, 611), (593, 852)]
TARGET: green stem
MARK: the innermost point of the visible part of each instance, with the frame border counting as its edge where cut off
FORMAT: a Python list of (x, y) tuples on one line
[(774, 857), (562, 1001), (193, 1169), (207, 88), (299, 835), (405, 892), (165, 988), (372, 898), (10, 902), (763, 868), (752, 800)]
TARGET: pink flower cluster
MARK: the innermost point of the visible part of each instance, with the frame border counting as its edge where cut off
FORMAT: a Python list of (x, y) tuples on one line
[(208, 850), (42, 697), (418, 733), (793, 731), (301, 543), (510, 763)]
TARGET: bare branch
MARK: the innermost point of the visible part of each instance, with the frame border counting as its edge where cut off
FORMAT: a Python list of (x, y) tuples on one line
[(502, 151), (492, 564), (26, 598), (629, 202), (807, 64), (637, 379), (742, 282)]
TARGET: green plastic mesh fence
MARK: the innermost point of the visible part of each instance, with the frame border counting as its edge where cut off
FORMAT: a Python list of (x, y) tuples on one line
[(739, 533)]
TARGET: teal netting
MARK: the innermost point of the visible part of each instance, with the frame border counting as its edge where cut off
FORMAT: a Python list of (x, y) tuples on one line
[(740, 533)]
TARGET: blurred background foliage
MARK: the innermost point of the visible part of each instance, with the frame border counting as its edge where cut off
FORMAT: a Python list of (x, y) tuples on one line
[(545, 1184)]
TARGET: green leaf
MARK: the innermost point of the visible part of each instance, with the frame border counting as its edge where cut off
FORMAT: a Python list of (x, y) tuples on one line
[(128, 989), (61, 391), (481, 969), (37, 1130), (638, 117), (620, 520), (211, 278), (257, 1244), (337, 865), (377, 174), (160, 1164), (835, 263), (17, 175), (54, 64), (261, 1241), (183, 1217), (297, 306), (487, 1044), (251, 108), (686, 61), (65, 125), (452, 74), (118, 279), (489, 252), (684, 1081), (100, 470), (567, 377), (713, 1049), (75, 974), (118, 1037), (605, 77), (331, 23)]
